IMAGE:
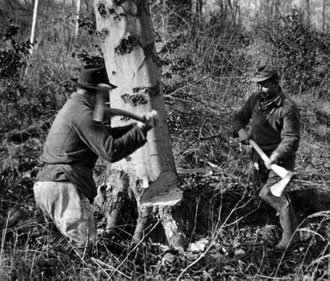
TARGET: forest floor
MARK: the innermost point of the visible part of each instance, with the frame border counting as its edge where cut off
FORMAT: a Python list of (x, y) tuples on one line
[(231, 234)]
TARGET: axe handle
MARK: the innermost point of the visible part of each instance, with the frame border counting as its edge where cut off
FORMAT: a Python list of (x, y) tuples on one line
[(101, 110), (280, 171), (99, 107), (116, 111), (259, 150)]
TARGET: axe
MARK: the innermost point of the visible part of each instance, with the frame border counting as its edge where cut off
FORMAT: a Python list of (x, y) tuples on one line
[(100, 110), (277, 188)]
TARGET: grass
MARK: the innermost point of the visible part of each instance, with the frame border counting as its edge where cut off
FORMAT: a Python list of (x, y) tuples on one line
[(232, 251)]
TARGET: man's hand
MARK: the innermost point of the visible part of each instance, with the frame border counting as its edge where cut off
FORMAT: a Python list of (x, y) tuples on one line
[(150, 120), (243, 136), (273, 159)]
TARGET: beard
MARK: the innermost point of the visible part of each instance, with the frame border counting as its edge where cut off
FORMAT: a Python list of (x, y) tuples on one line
[(268, 95)]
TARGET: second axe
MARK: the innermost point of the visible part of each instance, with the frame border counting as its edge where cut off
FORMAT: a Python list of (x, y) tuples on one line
[(286, 175)]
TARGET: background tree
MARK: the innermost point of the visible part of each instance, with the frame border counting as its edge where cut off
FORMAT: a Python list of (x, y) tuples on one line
[(308, 11)]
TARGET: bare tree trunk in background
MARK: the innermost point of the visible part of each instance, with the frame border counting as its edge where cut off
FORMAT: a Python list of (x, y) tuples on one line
[(127, 40), (238, 12), (308, 12), (276, 9), (323, 22), (223, 8), (265, 8), (164, 8), (77, 19), (196, 12), (235, 10), (285, 6), (34, 23)]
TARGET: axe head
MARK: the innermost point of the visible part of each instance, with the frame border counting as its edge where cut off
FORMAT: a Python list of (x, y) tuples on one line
[(278, 188), (163, 191), (99, 107), (103, 90)]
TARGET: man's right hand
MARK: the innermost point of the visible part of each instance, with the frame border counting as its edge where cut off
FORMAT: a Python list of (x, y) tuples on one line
[(150, 120), (244, 136)]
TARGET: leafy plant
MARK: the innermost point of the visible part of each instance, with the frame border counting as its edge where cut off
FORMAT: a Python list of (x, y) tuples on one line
[(13, 58), (12, 62)]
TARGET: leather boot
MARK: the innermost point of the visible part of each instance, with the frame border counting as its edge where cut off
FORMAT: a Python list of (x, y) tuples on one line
[(289, 223), (287, 216)]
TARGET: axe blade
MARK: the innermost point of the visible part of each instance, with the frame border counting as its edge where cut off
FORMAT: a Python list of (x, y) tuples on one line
[(278, 188), (280, 171), (163, 191)]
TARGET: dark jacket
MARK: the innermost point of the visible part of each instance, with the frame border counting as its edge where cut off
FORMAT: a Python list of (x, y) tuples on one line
[(75, 142), (275, 125)]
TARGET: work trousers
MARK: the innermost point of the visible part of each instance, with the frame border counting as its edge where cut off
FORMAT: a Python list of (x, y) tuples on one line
[(70, 211)]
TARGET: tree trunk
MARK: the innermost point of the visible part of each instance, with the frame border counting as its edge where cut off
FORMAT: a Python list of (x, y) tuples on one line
[(77, 19), (196, 12), (34, 23), (323, 20), (308, 12), (276, 10), (127, 41)]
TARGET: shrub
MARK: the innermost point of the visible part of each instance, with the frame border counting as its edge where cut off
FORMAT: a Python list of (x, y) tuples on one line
[(298, 49), (12, 62)]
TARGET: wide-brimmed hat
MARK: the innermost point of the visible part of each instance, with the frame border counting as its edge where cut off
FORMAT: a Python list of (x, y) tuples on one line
[(93, 77), (263, 73)]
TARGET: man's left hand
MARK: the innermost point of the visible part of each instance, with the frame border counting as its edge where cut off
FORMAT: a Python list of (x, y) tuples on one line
[(273, 159), (150, 120)]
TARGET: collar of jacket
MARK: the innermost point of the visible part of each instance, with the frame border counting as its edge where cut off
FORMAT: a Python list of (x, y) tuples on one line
[(274, 102), (86, 98)]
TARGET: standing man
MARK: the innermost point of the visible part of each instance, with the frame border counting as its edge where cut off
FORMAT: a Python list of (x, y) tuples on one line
[(275, 124), (65, 187)]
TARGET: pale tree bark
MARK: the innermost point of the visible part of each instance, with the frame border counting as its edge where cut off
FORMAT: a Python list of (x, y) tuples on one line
[(196, 12), (266, 7), (323, 19), (276, 12), (127, 41), (77, 18), (34, 23), (234, 8), (308, 12), (223, 8)]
